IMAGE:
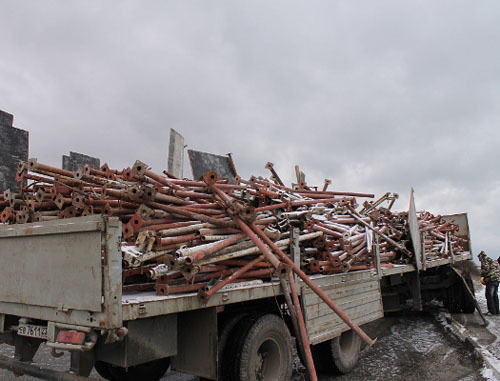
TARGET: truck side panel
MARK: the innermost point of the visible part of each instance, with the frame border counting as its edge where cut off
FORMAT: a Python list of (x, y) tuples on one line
[(66, 271), (359, 297), (36, 272)]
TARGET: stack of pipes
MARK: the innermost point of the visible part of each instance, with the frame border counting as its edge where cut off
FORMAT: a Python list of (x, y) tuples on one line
[(181, 235)]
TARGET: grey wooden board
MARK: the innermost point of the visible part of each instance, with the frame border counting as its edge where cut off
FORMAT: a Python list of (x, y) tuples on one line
[(52, 270), (329, 332), (415, 232), (202, 162), (360, 299), (175, 162)]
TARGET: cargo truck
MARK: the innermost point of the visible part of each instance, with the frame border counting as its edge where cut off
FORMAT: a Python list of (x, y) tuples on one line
[(61, 284)]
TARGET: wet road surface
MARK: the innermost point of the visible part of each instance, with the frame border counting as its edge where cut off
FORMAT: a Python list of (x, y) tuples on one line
[(413, 347)]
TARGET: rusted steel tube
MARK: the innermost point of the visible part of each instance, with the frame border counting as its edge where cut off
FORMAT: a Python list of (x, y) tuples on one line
[(327, 231), (202, 253), (160, 197), (187, 213), (240, 262), (293, 315), (305, 192), (177, 239), (405, 250), (111, 202), (208, 231), (205, 211), (297, 203), (263, 248), (204, 295), (193, 195), (302, 329), (167, 173), (165, 289), (191, 228), (35, 166), (337, 193)]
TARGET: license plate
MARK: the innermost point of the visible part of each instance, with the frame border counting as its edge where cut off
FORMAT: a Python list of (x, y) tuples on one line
[(32, 331)]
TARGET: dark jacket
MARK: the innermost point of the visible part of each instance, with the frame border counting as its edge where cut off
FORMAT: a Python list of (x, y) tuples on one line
[(489, 269)]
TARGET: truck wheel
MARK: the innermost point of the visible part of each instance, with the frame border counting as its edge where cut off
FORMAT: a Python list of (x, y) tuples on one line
[(229, 361), (338, 355), (266, 354), (225, 332), (468, 305), (455, 297), (151, 371)]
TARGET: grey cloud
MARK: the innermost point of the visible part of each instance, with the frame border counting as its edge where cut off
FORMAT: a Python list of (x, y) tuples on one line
[(380, 96)]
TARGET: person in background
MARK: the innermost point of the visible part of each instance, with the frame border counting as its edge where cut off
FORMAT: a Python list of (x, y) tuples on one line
[(491, 275)]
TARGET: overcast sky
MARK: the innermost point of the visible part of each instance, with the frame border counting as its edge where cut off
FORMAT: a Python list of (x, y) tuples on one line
[(376, 95)]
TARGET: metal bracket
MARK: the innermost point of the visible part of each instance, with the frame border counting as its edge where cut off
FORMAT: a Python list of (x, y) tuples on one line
[(376, 250)]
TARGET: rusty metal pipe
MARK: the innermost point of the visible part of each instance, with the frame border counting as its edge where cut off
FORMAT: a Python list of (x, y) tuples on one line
[(187, 213), (210, 249), (302, 329), (204, 295)]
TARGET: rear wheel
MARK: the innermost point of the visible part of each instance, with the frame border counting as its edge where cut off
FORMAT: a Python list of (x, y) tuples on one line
[(468, 305), (338, 355), (225, 334), (266, 354), (455, 297), (229, 359), (151, 371)]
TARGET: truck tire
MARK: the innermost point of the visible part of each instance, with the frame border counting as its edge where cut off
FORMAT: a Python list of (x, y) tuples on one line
[(151, 371), (338, 355), (455, 297), (225, 333), (468, 305), (229, 364), (266, 354)]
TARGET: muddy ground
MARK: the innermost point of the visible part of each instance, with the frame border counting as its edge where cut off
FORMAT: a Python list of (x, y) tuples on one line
[(410, 346)]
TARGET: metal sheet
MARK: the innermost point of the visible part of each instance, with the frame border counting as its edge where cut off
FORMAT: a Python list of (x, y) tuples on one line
[(175, 164), (462, 221), (63, 226), (202, 162), (52, 270), (147, 340), (112, 270), (197, 344), (416, 238)]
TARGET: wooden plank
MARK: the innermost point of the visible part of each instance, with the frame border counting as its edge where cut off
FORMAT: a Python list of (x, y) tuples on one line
[(322, 309), (341, 302), (336, 331), (332, 321), (349, 289), (345, 305)]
